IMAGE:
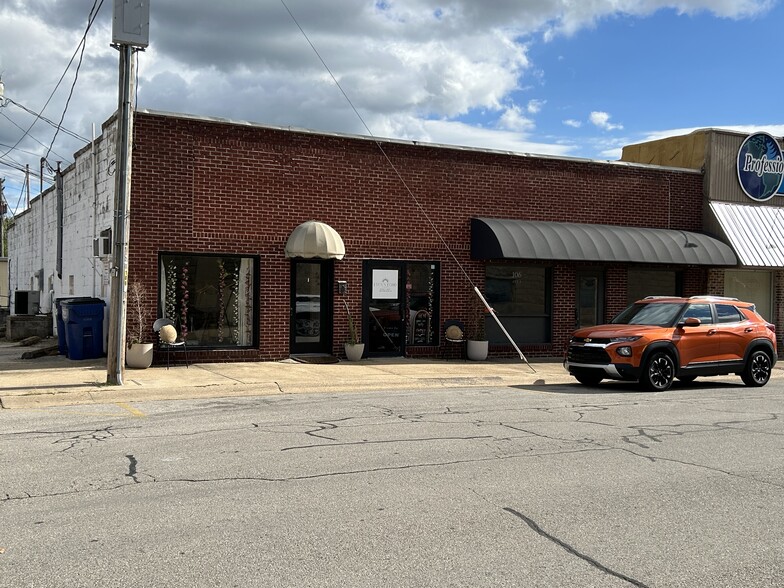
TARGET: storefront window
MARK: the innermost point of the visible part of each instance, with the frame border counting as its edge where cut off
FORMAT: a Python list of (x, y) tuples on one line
[(521, 297), (641, 283), (210, 298), (422, 302), (750, 286)]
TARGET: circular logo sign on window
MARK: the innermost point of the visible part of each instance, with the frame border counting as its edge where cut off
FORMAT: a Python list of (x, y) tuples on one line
[(760, 166)]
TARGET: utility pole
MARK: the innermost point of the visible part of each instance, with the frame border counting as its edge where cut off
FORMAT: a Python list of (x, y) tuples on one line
[(130, 31), (3, 210)]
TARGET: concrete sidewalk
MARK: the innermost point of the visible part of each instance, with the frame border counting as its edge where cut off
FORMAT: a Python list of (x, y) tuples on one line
[(58, 381)]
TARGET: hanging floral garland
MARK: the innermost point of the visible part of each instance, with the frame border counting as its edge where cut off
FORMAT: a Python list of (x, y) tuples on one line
[(248, 304), (235, 309), (170, 304), (184, 300), (221, 285)]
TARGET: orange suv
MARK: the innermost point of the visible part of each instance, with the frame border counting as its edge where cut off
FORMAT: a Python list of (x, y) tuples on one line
[(661, 338)]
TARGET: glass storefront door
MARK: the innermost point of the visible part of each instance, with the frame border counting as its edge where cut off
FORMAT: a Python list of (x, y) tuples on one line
[(384, 302), (401, 305), (311, 306)]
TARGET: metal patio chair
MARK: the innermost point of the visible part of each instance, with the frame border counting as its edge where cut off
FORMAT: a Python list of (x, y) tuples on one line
[(167, 345)]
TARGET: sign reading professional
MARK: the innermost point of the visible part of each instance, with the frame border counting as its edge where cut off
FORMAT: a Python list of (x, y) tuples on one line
[(760, 166)]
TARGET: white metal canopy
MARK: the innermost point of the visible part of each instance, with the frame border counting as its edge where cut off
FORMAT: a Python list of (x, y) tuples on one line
[(755, 232)]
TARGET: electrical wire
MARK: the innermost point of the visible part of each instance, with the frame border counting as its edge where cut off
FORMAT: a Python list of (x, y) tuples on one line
[(49, 122), (407, 188), (91, 19), (27, 133), (378, 144)]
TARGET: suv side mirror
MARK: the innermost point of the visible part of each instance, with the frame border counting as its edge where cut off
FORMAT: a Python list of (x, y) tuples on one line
[(690, 322)]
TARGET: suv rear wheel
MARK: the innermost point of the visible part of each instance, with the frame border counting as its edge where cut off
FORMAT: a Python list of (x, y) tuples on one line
[(757, 370), (659, 372)]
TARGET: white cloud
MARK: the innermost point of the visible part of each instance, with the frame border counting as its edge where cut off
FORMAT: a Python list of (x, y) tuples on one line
[(513, 119), (535, 106), (457, 133), (426, 62), (570, 122), (602, 120)]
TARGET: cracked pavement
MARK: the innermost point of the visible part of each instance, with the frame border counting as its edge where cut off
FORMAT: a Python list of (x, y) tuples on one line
[(536, 485)]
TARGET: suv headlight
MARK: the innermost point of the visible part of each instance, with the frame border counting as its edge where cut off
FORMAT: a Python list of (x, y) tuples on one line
[(624, 339), (624, 350)]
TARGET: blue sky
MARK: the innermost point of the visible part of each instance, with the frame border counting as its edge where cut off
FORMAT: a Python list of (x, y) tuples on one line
[(657, 74), (556, 77)]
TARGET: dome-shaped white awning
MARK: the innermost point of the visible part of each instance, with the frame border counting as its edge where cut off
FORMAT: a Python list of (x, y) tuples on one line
[(314, 239)]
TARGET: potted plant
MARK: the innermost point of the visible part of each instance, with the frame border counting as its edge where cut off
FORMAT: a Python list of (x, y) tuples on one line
[(477, 345), (354, 349), (139, 352)]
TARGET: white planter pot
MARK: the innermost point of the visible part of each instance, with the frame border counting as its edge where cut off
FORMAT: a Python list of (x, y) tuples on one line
[(354, 352), (139, 355), (477, 350)]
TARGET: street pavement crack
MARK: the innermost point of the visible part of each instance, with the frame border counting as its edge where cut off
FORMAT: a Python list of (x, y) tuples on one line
[(414, 440), (702, 466), (569, 549), (132, 469)]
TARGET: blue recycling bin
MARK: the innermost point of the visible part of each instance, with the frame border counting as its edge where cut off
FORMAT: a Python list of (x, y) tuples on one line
[(83, 328), (62, 346)]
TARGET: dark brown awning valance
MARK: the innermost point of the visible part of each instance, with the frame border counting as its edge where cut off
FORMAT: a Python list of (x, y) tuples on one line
[(520, 239)]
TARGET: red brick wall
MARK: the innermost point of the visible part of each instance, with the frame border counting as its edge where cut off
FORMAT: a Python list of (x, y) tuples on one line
[(204, 186)]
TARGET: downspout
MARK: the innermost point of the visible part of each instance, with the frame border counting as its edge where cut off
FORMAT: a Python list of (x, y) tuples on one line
[(95, 209), (59, 200)]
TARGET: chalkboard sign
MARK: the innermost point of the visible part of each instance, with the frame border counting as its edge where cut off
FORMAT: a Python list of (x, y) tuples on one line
[(422, 328)]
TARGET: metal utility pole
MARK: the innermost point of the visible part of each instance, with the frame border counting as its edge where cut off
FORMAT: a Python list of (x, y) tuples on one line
[(131, 27), (3, 209)]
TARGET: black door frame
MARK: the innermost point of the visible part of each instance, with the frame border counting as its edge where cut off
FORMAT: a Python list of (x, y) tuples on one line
[(367, 295), (326, 305)]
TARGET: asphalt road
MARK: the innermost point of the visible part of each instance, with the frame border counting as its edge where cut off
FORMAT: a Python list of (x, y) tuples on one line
[(529, 486)]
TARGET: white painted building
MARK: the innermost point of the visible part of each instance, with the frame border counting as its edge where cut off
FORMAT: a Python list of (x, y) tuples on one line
[(87, 208)]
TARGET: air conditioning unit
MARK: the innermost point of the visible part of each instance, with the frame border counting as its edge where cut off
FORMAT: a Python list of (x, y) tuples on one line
[(27, 301)]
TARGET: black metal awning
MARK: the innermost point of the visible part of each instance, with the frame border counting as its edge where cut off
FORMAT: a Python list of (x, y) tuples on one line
[(520, 239)]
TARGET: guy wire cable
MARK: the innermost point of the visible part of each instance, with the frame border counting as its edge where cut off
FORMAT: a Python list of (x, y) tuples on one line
[(405, 185)]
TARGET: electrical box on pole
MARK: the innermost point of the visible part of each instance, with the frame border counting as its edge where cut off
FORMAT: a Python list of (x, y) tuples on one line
[(131, 23)]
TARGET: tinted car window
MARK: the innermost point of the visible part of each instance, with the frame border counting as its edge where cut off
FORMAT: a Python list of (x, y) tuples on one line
[(660, 314), (728, 313), (699, 311)]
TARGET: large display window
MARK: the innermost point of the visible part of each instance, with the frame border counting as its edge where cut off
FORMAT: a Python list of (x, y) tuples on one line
[(652, 282), (210, 298), (521, 297), (751, 286)]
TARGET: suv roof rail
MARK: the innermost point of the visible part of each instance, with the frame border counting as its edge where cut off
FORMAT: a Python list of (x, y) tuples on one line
[(654, 297), (711, 297)]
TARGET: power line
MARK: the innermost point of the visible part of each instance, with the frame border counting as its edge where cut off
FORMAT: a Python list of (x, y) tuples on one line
[(27, 134), (91, 19), (50, 122), (408, 189)]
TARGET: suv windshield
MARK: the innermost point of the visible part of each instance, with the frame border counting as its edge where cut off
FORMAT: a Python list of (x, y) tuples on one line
[(661, 314)]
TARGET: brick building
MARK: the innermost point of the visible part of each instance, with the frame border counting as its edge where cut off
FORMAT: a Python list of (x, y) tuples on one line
[(218, 210)]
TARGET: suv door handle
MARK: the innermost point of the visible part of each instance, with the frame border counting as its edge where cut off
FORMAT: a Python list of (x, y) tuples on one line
[(748, 329), (712, 332)]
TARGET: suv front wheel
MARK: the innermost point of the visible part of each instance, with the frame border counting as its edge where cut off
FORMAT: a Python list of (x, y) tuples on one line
[(757, 370), (659, 372)]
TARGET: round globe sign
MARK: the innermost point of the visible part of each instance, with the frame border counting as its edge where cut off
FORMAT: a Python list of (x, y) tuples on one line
[(760, 166)]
